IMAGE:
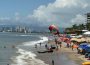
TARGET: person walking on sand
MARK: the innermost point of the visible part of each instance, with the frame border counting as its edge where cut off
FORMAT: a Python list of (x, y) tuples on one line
[(55, 40), (60, 45), (46, 46), (72, 47), (52, 62), (40, 43)]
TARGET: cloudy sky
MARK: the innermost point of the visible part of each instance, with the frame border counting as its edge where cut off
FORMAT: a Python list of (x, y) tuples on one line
[(62, 13)]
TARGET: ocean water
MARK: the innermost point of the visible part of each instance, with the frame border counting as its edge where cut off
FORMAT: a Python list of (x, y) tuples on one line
[(18, 48)]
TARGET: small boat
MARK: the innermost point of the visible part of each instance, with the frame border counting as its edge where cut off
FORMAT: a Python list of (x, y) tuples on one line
[(86, 63), (49, 51), (41, 51)]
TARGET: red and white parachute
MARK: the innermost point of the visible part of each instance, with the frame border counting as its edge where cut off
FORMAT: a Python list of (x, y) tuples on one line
[(54, 29)]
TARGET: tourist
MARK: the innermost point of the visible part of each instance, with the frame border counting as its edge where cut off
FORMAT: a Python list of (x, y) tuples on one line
[(40, 43), (52, 62), (46, 46), (72, 47)]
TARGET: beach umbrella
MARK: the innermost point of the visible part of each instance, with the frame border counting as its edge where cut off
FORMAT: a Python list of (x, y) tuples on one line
[(87, 33), (83, 40), (54, 29), (78, 39), (83, 45), (86, 63), (87, 48), (73, 39), (88, 39)]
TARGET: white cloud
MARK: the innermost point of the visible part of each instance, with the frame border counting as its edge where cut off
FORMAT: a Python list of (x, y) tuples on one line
[(66, 8), (63, 13), (78, 19), (70, 3)]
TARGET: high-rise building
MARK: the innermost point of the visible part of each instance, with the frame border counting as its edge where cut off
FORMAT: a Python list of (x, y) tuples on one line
[(88, 21), (88, 17)]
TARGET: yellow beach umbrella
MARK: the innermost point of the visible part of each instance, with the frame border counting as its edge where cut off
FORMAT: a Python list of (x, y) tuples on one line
[(86, 63), (83, 39), (73, 39), (78, 39), (88, 39)]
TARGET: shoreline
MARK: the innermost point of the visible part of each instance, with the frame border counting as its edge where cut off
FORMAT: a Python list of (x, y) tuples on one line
[(72, 56)]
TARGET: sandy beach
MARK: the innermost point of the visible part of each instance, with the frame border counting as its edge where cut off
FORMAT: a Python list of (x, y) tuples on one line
[(64, 56)]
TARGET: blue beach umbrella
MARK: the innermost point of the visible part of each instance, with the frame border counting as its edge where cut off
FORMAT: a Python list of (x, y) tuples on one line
[(87, 48), (83, 45)]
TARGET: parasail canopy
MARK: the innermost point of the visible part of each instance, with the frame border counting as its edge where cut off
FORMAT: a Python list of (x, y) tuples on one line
[(53, 29)]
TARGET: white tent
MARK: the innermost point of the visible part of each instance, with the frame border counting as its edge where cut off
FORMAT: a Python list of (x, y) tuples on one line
[(87, 33), (84, 30)]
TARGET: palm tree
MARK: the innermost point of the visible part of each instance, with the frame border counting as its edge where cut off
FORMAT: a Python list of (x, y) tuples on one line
[(88, 25), (81, 26), (74, 26)]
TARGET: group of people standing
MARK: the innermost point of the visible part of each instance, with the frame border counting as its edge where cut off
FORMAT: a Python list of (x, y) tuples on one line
[(68, 44), (46, 45), (58, 43)]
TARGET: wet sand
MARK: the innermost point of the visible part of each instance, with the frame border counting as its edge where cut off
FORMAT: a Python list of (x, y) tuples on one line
[(64, 56)]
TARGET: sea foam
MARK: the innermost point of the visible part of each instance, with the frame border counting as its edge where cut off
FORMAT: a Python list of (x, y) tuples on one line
[(26, 57), (43, 39)]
